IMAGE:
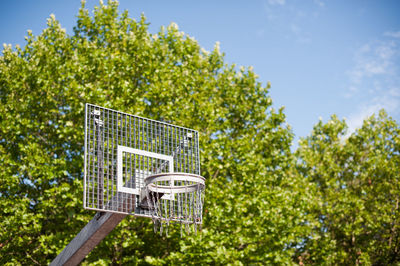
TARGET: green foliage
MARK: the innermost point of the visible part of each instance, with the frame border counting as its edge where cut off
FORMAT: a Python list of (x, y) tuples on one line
[(113, 61), (334, 201), (358, 192)]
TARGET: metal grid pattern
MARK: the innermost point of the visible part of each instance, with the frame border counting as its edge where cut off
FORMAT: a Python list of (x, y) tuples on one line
[(121, 150)]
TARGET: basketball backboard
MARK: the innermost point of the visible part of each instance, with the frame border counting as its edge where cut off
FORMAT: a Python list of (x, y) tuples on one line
[(137, 166), (121, 150)]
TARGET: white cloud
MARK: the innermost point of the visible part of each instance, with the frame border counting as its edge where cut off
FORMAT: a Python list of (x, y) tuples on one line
[(356, 119), (319, 3), (394, 92), (350, 92), (276, 2), (374, 81), (393, 34), (373, 59), (300, 35), (385, 101), (291, 20)]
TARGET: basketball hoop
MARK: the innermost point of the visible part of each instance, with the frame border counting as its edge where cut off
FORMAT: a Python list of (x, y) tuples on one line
[(176, 197)]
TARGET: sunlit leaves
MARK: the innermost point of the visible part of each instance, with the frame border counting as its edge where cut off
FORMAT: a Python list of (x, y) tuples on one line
[(358, 184)]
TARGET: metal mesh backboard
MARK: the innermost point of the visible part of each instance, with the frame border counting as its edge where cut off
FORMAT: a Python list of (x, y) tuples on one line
[(121, 150)]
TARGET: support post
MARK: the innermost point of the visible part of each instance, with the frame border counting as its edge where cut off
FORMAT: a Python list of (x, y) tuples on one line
[(88, 238)]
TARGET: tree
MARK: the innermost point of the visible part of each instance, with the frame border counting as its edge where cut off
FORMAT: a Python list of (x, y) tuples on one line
[(357, 185), (255, 209)]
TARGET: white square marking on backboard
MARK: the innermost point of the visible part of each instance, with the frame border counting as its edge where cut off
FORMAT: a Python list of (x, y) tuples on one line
[(121, 149)]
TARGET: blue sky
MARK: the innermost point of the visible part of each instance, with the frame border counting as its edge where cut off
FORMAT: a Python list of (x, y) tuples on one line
[(322, 57)]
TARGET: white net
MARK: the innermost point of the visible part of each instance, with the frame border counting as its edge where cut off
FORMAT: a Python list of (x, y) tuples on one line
[(175, 197)]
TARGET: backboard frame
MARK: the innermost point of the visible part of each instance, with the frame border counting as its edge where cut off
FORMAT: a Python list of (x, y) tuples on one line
[(107, 133)]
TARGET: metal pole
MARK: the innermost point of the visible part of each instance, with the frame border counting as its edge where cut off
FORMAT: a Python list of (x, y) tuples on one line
[(88, 238)]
